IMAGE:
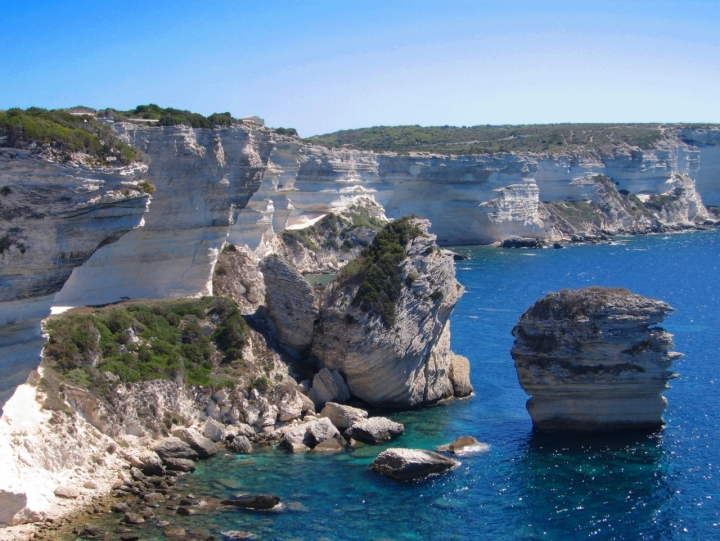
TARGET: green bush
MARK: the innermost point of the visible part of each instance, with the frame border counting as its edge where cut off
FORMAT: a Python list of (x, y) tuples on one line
[(66, 133), (168, 116), (172, 343), (541, 138), (378, 269)]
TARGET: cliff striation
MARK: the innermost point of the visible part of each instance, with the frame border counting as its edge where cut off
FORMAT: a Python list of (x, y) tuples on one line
[(53, 217), (383, 321), (592, 359)]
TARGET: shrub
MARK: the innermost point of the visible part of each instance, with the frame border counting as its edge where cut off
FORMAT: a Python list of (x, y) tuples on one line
[(5, 191), (229, 248), (378, 269), (146, 187), (410, 278)]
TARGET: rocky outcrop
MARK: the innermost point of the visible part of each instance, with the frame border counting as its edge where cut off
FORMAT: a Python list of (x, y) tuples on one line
[(253, 501), (593, 359), (411, 464), (238, 277), (460, 376), (404, 364), (291, 305)]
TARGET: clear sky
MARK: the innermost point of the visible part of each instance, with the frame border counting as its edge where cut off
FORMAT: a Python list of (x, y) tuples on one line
[(324, 65)]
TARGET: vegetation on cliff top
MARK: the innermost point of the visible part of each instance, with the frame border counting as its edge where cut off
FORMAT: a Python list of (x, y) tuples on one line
[(168, 116), (65, 133), (187, 339), (538, 138), (379, 271)]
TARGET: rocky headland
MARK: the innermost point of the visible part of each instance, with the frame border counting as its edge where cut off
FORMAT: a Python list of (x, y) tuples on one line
[(593, 359)]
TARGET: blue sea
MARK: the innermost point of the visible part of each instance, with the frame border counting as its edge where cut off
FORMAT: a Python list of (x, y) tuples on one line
[(528, 486)]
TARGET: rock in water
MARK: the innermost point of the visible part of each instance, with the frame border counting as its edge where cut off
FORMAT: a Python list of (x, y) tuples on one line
[(241, 445), (197, 442), (591, 361), (375, 430), (179, 464), (464, 445), (175, 448), (409, 464), (253, 501)]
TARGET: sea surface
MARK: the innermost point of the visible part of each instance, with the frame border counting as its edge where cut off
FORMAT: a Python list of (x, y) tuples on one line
[(661, 485)]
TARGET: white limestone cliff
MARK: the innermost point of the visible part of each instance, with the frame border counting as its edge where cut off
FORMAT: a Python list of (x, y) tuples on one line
[(593, 359)]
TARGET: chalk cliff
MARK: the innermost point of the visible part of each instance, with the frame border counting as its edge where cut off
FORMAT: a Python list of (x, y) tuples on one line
[(592, 359), (53, 217)]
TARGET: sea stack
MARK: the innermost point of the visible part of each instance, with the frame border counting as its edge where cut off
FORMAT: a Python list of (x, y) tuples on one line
[(593, 360)]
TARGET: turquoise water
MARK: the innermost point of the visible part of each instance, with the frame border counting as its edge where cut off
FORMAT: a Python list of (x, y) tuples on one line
[(664, 485)]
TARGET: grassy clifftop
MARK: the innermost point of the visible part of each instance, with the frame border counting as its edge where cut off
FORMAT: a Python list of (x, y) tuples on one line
[(539, 138), (65, 133)]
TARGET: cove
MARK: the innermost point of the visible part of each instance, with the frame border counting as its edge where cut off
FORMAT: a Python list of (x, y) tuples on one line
[(661, 485)]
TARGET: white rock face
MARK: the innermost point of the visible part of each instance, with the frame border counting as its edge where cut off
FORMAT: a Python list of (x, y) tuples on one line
[(202, 178), (53, 219), (593, 359), (406, 364)]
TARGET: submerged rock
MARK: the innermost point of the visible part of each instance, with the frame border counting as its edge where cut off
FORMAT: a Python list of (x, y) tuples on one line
[(375, 430), (592, 359), (253, 501), (410, 464), (464, 445)]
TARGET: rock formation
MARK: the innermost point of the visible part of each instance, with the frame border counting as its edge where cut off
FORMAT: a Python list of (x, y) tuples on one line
[(291, 305), (592, 359), (405, 362), (411, 464)]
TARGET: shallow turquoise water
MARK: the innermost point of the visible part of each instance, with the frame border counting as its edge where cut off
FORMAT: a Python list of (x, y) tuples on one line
[(529, 486)]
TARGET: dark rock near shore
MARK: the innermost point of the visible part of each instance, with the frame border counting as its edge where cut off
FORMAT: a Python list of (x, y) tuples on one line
[(521, 242), (410, 464), (179, 465), (253, 501), (174, 447), (133, 518), (594, 359), (203, 446), (240, 444)]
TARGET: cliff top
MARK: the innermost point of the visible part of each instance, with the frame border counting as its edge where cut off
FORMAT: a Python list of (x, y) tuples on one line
[(537, 138), (65, 133)]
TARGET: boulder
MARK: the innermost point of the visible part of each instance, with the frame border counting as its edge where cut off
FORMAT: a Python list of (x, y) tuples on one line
[(174, 447), (328, 386), (119, 507), (374, 430), (241, 444), (214, 431), (293, 435), (320, 431), (197, 442), (410, 464), (179, 464), (151, 464), (67, 492), (290, 404), (593, 359), (253, 501), (460, 376), (91, 531), (133, 518), (464, 445), (343, 416)]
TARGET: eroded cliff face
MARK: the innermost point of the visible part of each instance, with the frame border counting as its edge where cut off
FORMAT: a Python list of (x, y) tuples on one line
[(593, 359), (53, 218), (404, 362), (483, 199), (203, 178)]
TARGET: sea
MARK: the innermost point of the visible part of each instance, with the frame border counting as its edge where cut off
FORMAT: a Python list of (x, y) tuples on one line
[(527, 485)]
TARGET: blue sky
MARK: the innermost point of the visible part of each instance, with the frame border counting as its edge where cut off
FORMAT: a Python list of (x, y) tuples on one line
[(324, 65)]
